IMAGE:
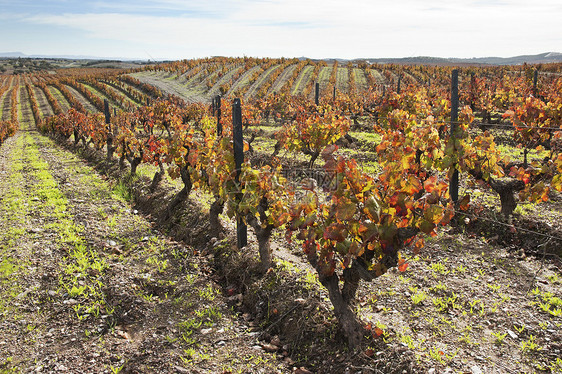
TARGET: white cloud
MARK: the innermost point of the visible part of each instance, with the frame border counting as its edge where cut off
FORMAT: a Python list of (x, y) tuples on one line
[(329, 28)]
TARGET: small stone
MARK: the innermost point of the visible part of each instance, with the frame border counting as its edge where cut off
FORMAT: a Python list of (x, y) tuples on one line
[(235, 298), (301, 370), (289, 361), (206, 331), (276, 341), (476, 370), (179, 369), (111, 243), (257, 347), (512, 334), (270, 347), (51, 293), (431, 371)]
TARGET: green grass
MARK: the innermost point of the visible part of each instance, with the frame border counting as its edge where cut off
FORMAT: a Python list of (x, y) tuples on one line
[(300, 83), (368, 137), (60, 98)]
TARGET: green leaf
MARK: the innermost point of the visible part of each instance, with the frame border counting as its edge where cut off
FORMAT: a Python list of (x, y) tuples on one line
[(372, 209), (557, 182), (433, 213), (426, 227)]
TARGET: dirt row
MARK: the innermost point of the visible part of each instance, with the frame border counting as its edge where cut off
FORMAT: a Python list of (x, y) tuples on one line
[(90, 286)]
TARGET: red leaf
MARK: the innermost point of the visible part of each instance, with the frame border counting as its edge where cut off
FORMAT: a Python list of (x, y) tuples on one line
[(336, 231)]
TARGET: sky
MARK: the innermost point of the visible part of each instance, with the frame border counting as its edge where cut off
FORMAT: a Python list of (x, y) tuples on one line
[(174, 29)]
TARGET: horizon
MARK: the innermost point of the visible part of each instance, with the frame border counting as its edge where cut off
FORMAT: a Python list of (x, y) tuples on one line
[(360, 29), (18, 54)]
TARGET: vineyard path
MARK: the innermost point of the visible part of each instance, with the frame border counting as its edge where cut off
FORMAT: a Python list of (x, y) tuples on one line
[(88, 285)]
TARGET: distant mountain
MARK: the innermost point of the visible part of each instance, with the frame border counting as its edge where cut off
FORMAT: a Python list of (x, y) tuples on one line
[(64, 57), (11, 54), (541, 58)]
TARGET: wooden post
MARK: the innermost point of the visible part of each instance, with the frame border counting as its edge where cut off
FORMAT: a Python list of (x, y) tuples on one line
[(109, 140), (398, 86), (472, 89), (147, 101), (218, 111), (334, 93), (454, 182), (106, 111), (241, 229), (317, 93), (535, 80)]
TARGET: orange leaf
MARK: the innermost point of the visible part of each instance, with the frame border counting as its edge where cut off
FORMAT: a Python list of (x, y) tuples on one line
[(464, 202), (345, 211)]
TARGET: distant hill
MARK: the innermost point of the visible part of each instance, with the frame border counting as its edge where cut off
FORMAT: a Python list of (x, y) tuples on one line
[(541, 58), (11, 55), (62, 57)]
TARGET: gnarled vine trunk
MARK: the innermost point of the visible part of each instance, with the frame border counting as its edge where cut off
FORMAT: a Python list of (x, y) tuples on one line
[(506, 188), (157, 177), (216, 208), (184, 193), (263, 233), (352, 327)]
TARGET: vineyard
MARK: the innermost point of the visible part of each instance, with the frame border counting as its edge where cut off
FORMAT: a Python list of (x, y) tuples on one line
[(230, 215)]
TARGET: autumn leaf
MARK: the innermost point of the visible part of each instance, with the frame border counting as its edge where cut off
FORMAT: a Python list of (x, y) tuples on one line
[(557, 182), (335, 231), (418, 245), (433, 213), (372, 208), (402, 265), (463, 204), (412, 185), (426, 227), (345, 210)]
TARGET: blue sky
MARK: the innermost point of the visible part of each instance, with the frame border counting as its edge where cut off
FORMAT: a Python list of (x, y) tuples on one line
[(174, 29)]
